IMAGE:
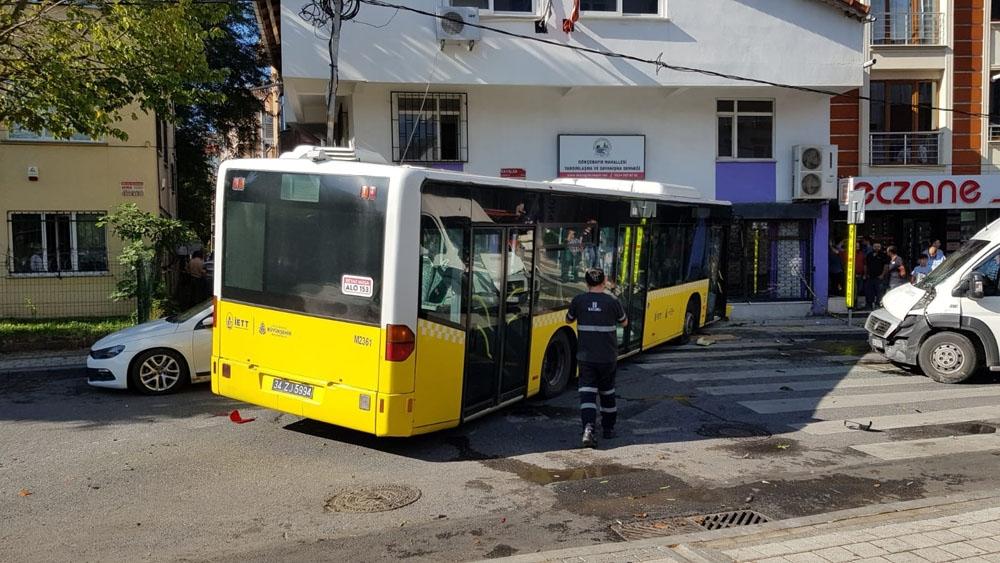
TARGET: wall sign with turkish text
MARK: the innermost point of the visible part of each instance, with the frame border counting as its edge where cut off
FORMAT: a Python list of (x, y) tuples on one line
[(621, 157), (927, 192)]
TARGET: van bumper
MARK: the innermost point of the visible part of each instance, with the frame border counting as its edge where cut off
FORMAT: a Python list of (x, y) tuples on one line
[(902, 345)]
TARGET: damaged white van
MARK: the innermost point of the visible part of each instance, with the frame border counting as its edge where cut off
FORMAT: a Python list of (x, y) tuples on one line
[(948, 324)]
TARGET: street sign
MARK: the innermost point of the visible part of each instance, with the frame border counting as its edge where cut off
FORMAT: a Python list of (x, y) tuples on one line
[(856, 207)]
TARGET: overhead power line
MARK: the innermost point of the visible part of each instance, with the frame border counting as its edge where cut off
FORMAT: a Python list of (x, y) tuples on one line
[(660, 64)]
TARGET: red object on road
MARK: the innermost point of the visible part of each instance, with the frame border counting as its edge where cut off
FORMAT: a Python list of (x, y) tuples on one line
[(235, 417)]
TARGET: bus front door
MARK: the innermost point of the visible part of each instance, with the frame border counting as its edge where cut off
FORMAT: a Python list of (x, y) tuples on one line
[(499, 317), (630, 281)]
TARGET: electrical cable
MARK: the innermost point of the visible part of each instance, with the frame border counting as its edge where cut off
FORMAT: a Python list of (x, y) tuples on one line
[(659, 64)]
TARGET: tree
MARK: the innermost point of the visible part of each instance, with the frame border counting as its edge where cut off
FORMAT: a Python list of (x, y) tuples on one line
[(148, 238), (229, 118), (70, 66)]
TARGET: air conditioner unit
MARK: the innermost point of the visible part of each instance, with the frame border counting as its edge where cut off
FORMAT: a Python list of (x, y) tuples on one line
[(815, 172), (452, 25)]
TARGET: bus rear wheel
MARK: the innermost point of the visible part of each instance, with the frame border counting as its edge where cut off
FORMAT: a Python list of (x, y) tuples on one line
[(690, 321), (557, 365)]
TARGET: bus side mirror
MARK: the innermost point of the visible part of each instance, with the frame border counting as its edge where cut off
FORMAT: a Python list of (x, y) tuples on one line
[(977, 286)]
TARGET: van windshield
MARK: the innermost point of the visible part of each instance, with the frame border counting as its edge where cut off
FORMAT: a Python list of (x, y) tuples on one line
[(952, 263)]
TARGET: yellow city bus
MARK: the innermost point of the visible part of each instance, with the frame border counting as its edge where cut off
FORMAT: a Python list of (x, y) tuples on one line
[(398, 300)]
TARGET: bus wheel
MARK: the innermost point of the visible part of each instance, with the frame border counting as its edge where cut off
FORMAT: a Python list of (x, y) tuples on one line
[(557, 365), (948, 357), (690, 321), (158, 372)]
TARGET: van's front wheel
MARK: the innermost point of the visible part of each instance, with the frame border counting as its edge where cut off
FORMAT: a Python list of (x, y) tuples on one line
[(948, 357)]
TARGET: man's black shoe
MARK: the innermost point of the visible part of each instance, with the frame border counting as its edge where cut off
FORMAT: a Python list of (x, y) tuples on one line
[(589, 440), (609, 433)]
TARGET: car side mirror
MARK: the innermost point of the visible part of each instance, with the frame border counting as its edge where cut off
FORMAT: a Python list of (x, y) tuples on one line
[(977, 286), (207, 322)]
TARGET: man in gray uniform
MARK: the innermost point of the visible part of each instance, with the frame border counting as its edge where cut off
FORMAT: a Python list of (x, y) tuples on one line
[(597, 315)]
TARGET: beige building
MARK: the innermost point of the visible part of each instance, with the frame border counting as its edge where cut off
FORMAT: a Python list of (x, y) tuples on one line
[(57, 261)]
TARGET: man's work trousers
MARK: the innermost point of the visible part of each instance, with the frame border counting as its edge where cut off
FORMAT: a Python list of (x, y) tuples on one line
[(597, 388)]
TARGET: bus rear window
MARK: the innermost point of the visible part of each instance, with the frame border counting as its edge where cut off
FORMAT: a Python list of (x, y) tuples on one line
[(305, 243)]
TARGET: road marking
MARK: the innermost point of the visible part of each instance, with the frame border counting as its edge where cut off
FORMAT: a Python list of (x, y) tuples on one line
[(783, 371), (870, 400), (903, 420), (748, 364), (730, 344), (811, 385), (703, 353), (931, 447)]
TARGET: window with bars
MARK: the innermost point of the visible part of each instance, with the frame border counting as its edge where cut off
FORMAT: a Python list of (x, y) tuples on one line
[(746, 128), (429, 128), (18, 133), (56, 242), (621, 7), (499, 6)]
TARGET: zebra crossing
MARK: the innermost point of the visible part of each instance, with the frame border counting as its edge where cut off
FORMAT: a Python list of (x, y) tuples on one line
[(821, 395)]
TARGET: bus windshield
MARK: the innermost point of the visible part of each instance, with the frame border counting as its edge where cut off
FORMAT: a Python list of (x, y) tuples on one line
[(306, 243), (952, 263)]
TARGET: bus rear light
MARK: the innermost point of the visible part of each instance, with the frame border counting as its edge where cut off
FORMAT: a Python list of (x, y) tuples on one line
[(226, 370), (399, 342)]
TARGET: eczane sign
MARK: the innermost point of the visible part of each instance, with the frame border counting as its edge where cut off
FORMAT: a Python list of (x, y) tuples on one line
[(621, 157), (926, 192)]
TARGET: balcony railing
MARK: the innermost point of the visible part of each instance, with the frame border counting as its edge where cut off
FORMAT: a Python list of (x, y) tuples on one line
[(908, 28), (917, 148), (994, 132)]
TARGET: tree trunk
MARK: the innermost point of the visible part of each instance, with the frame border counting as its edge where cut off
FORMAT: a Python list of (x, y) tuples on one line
[(331, 92)]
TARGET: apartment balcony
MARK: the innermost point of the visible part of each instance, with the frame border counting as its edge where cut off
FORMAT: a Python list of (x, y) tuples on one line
[(909, 28), (995, 132), (916, 148)]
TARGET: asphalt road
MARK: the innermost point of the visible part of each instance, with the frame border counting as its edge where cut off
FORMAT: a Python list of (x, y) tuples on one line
[(93, 475)]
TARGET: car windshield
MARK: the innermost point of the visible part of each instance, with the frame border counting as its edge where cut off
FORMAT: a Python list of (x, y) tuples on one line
[(187, 315), (952, 263)]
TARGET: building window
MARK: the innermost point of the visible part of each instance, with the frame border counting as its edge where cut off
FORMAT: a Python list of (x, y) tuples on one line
[(18, 133), (56, 243), (746, 128), (499, 6), (429, 127), (622, 7)]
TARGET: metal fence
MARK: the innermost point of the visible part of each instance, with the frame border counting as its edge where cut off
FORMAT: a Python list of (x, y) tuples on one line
[(908, 28), (60, 295), (905, 149), (770, 261)]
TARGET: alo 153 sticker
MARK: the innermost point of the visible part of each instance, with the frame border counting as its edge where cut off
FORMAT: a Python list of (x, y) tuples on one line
[(357, 285)]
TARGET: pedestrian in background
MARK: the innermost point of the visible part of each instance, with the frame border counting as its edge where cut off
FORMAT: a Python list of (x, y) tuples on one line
[(921, 270), (897, 270), (876, 272), (597, 315), (934, 256)]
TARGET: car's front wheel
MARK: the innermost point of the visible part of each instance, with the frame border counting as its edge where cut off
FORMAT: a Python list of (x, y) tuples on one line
[(948, 357), (158, 372)]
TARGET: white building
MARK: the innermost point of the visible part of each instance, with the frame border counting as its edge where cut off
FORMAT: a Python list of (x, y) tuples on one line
[(511, 105)]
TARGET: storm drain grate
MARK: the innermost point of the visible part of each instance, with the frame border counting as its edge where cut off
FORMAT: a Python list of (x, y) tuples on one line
[(730, 519), (374, 498), (733, 430)]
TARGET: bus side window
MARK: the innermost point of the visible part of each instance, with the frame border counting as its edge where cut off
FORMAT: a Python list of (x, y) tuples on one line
[(441, 271)]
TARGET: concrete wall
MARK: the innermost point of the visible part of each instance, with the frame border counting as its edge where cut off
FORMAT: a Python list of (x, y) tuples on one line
[(801, 42), (518, 127), (76, 177)]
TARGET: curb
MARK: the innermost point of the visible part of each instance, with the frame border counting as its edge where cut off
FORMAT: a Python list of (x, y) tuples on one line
[(775, 527), (44, 361)]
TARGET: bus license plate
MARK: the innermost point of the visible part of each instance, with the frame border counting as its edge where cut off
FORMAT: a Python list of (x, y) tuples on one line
[(292, 388)]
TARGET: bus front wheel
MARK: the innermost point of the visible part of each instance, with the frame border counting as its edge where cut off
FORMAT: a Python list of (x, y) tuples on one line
[(691, 315), (557, 365)]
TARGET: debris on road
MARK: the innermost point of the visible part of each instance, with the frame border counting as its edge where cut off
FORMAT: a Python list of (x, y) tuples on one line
[(24, 493), (235, 417), (858, 425), (702, 341)]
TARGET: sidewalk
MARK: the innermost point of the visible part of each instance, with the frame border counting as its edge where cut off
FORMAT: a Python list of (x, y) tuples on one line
[(42, 360), (962, 527)]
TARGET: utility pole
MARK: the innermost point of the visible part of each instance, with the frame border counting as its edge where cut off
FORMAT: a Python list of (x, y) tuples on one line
[(333, 47), (332, 13)]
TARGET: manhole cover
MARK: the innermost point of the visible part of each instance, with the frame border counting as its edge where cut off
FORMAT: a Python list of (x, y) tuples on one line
[(733, 430), (644, 529), (730, 519), (374, 498)]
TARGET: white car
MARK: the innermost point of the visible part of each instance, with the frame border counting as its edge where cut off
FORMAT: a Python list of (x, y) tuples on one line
[(157, 357)]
